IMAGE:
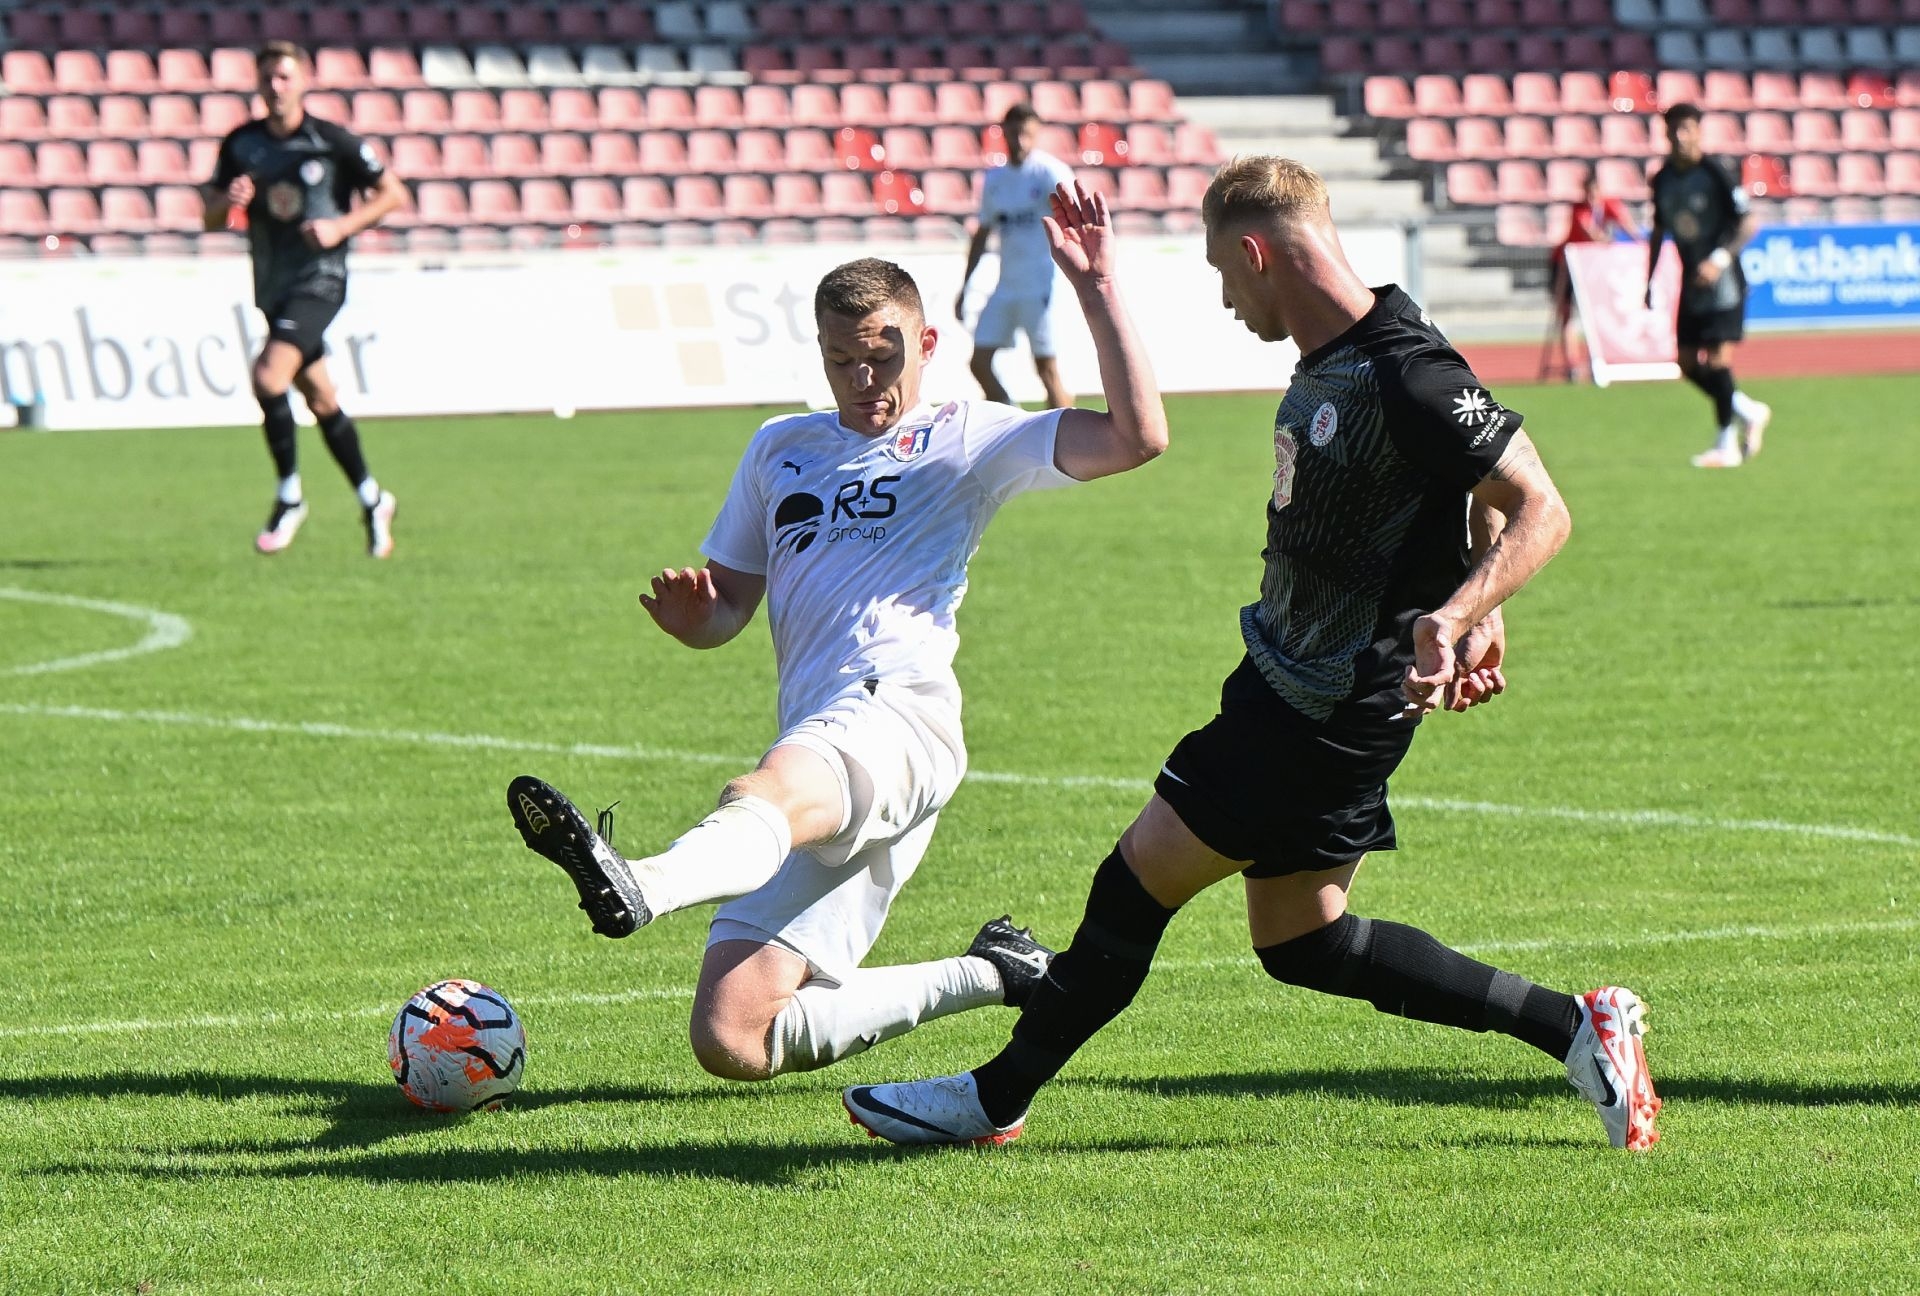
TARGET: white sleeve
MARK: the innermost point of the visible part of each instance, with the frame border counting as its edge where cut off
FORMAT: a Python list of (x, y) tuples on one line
[(1010, 451), (739, 535)]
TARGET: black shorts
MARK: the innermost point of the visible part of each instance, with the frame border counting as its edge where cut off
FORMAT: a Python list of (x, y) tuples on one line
[(1264, 783), (302, 319), (1706, 328)]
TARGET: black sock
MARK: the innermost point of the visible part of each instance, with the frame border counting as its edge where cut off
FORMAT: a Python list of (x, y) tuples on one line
[(278, 422), (1717, 382), (1089, 984), (343, 442), (1404, 971)]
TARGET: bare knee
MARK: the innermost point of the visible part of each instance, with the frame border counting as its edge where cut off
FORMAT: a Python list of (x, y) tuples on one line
[(267, 384), (732, 1050)]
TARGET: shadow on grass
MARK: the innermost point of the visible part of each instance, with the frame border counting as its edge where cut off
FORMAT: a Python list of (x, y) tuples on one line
[(1412, 1086)]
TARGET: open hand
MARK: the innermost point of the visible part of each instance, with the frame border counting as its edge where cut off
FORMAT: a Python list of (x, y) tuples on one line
[(1080, 232), (683, 601)]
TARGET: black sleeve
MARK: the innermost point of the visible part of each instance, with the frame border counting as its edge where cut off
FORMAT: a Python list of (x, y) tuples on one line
[(355, 158), (1441, 418), (226, 166), (1730, 186)]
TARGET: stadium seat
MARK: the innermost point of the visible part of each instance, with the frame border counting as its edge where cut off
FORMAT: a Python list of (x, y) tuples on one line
[(1722, 133), (1903, 173), (662, 152), (621, 108), (717, 107), (375, 112), (124, 117), (78, 72), (846, 193), (1776, 90), (1386, 96), (797, 194), (513, 155), (614, 153), (1621, 135), (897, 193), (858, 149), (572, 108), (1537, 93), (128, 211), (23, 211), (1903, 128), (523, 110), (494, 202), (26, 72), (1871, 90), (1436, 96), (1584, 92), (1632, 92), (417, 157), (1567, 177), (955, 147), (1673, 85), (71, 117), (1768, 132), (393, 69), (595, 199), (498, 67), (1571, 137), (545, 201), (810, 150), (1860, 175), (446, 67), (551, 65), (1723, 91), (670, 108), (1477, 138), (1765, 177), (1472, 184), (339, 69), (864, 104), (710, 152), (177, 207), (1723, 47), (475, 110), (1430, 139), (22, 118), (1484, 95), (1150, 145), (424, 112), (1813, 132), (760, 151), (1515, 181), (1823, 90), (1812, 175), (1101, 144), (59, 162), (1519, 225), (158, 162), (906, 148), (1348, 56), (464, 157)]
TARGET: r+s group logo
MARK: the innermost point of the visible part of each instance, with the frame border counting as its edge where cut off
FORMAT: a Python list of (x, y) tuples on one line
[(858, 507)]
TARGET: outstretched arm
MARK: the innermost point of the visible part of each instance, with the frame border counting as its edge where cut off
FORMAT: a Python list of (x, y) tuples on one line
[(704, 607), (1090, 444), (1536, 525)]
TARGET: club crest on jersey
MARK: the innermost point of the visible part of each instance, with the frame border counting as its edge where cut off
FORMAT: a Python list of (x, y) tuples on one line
[(285, 201), (1326, 421), (909, 444), (313, 171)]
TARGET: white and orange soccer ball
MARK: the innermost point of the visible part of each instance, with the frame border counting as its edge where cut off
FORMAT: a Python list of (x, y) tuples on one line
[(456, 1046)]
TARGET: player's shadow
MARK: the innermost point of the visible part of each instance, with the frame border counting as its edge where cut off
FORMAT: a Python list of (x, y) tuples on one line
[(1413, 1086)]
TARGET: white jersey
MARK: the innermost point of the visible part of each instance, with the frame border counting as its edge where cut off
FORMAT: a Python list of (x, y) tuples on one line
[(864, 541), (1012, 201)]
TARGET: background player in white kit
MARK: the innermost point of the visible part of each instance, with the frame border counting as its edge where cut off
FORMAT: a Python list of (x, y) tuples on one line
[(1013, 201), (857, 525)]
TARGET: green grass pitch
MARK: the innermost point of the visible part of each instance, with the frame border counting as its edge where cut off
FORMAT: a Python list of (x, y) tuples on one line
[(224, 865)]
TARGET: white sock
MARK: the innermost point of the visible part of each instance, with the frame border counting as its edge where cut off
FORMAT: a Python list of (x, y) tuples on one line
[(1746, 406), (1729, 439), (826, 1021), (369, 493), (290, 488), (731, 852)]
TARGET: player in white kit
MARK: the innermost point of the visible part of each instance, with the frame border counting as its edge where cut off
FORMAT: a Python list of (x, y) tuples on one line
[(1013, 201), (856, 524)]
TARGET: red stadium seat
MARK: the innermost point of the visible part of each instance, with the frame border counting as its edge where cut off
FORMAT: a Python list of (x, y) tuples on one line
[(1765, 177), (858, 149), (1871, 90), (1100, 144), (897, 193), (993, 146), (1632, 92)]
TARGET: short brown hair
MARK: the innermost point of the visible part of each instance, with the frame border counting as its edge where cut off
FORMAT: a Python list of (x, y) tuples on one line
[(1016, 117), (1261, 187), (274, 51), (1681, 112), (859, 288)]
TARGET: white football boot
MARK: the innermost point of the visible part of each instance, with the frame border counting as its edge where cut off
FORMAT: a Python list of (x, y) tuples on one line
[(1753, 431), (942, 1110), (1608, 1065), (283, 524)]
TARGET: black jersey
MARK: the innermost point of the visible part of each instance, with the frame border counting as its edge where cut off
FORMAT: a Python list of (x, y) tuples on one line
[(1699, 208), (311, 174), (1381, 436)]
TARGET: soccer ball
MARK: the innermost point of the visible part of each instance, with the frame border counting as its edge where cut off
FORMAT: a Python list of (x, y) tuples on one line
[(456, 1046)]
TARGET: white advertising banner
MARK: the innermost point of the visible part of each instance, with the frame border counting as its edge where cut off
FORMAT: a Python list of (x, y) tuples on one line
[(161, 342)]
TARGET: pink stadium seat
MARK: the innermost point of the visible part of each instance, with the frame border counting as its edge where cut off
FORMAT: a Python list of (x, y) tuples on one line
[(1531, 137), (710, 151), (622, 108), (23, 211), (26, 71), (1813, 132), (911, 103), (816, 105), (1109, 101), (329, 105), (1620, 178), (523, 110), (376, 112), (111, 162), (417, 157), (1621, 135), (425, 111), (959, 102), (1196, 145), (950, 193), (232, 70), (846, 193), (441, 202), (797, 194), (513, 155), (1724, 91), (1485, 95), (748, 197), (613, 153), (1903, 128), (128, 210), (1584, 92), (897, 193), (1150, 145), (1903, 173), (1677, 85), (1860, 175), (161, 161), (1776, 90), (864, 104), (1058, 101), (1823, 90), (475, 110), (759, 150), (573, 109), (16, 165), (595, 199), (1471, 184), (1812, 175), (1430, 139), (1567, 178), (22, 118), (1515, 181), (955, 146), (1386, 96), (998, 96), (60, 162), (221, 113), (71, 116), (662, 153), (906, 148), (1148, 100), (545, 201), (1536, 92), (1478, 138), (670, 108), (177, 207), (1436, 96), (494, 202), (74, 211), (717, 106), (124, 117), (202, 154), (1581, 137), (765, 105), (1722, 133), (1517, 225), (392, 67), (78, 72), (1186, 186), (464, 157), (1142, 188), (810, 150)]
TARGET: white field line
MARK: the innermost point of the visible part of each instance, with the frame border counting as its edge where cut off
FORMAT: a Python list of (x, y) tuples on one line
[(489, 742), (255, 1021), (164, 631)]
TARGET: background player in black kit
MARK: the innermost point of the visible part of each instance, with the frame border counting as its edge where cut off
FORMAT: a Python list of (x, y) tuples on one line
[(296, 176), (1407, 506), (1703, 209)]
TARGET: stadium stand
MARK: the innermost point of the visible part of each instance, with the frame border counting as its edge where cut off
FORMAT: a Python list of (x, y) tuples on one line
[(575, 124)]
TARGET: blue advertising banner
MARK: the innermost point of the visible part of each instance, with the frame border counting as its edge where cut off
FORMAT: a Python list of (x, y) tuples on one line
[(1813, 275)]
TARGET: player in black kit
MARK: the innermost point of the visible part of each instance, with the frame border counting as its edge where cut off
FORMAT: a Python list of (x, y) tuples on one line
[(295, 176), (1703, 209), (1407, 506)]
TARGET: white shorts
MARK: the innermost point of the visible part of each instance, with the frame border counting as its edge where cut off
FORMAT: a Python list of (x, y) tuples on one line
[(900, 756), (1005, 314)]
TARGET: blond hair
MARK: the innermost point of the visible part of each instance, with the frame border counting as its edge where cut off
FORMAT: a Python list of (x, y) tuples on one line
[(275, 50), (1262, 188), (859, 288)]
